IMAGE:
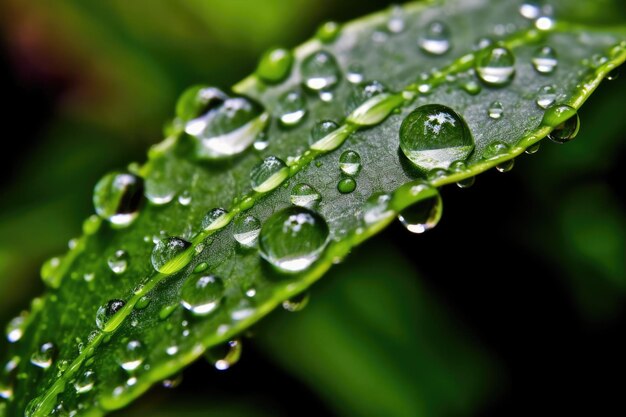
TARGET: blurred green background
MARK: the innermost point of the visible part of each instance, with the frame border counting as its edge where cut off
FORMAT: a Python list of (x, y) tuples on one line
[(409, 325)]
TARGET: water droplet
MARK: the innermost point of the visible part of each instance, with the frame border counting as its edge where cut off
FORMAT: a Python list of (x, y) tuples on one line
[(544, 23), (328, 32), (320, 71), (544, 60), (355, 74), (202, 294), (118, 262), (131, 356), (460, 167), (275, 65), (85, 382), (506, 166), (91, 224), (117, 198), (184, 199), (268, 175), (6, 392), (376, 208), (291, 107), (350, 163), (496, 110), (533, 148), (546, 96), (297, 303), (530, 10), (142, 302), (225, 126), (50, 272), (304, 195), (170, 255), (246, 230), (15, 328), (496, 66), (613, 75), (224, 356), (565, 121), (167, 311), (425, 213), (293, 238), (363, 92), (346, 185), (433, 136), (106, 312), (396, 23), (44, 356), (214, 219), (495, 150), (322, 129), (436, 39), (482, 43), (173, 381)]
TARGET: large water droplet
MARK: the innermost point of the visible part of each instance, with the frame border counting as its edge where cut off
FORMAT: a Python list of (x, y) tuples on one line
[(304, 195), (320, 71), (291, 107), (275, 65), (224, 356), (546, 96), (544, 60), (293, 238), (496, 66), (424, 214), (350, 162), (496, 110), (131, 356), (376, 208), (117, 198), (226, 126), (346, 185), (436, 39), (214, 219), (268, 174), (433, 136), (44, 356), (246, 230), (106, 311), (202, 294), (565, 121), (118, 262), (85, 382), (15, 328), (170, 255)]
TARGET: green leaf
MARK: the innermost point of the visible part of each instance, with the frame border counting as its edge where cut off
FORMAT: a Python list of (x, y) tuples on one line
[(209, 286)]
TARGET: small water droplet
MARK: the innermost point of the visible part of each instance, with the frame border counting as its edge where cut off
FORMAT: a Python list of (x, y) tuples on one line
[(304, 195), (44, 356), (496, 110), (436, 39), (320, 71), (246, 230), (496, 66), (544, 23), (346, 185), (224, 126), (363, 92), (495, 150), (293, 238), (322, 129), (544, 60), (297, 303), (224, 356), (214, 219), (291, 107), (328, 32), (355, 74), (117, 198), (167, 311), (482, 43), (565, 122), (91, 224), (506, 166), (170, 255), (106, 311), (350, 162), (15, 328), (433, 136), (396, 23), (85, 382), (118, 262), (530, 10), (275, 65), (131, 356), (173, 381), (184, 199), (142, 302), (546, 96), (202, 294), (269, 174), (50, 272), (376, 208), (533, 148), (425, 213)]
